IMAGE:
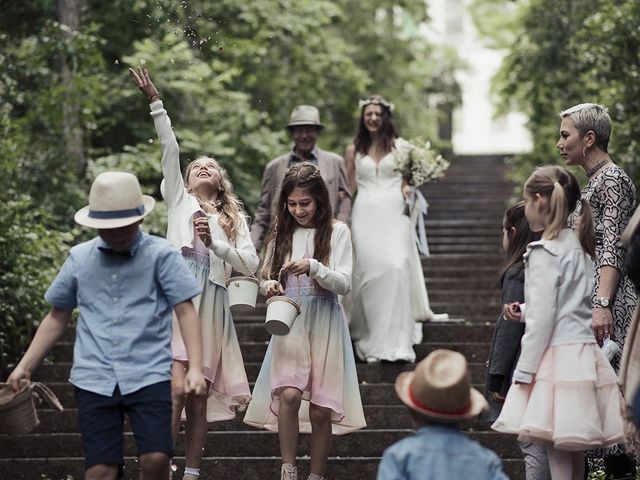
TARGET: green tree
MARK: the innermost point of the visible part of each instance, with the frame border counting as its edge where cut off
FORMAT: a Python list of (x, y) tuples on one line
[(229, 73), (561, 53)]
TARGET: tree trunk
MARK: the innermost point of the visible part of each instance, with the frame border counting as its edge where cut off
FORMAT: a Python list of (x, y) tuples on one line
[(74, 135)]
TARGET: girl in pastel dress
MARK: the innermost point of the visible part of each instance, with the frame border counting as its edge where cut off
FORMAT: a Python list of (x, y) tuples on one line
[(308, 380), (207, 223), (565, 393)]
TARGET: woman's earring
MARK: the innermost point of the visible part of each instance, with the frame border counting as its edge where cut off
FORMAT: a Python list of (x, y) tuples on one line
[(220, 189), (584, 152)]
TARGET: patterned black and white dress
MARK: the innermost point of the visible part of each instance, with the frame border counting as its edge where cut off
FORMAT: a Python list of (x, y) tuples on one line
[(612, 197)]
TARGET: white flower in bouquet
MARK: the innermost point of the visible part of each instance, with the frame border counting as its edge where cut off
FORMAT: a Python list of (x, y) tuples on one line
[(418, 162)]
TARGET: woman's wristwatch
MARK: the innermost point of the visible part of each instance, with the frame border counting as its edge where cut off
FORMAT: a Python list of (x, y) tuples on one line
[(602, 302)]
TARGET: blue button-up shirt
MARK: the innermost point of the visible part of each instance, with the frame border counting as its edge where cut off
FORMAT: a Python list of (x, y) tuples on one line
[(123, 335), (439, 452)]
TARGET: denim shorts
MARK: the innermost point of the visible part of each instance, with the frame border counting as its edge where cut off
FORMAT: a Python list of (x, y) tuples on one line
[(101, 419)]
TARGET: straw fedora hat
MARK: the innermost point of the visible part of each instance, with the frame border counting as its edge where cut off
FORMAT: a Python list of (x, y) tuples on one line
[(439, 388), (115, 200), (305, 115)]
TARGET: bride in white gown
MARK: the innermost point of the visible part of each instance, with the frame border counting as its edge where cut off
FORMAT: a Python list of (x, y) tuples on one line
[(388, 296)]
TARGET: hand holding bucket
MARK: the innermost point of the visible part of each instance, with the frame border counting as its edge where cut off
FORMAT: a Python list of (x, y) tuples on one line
[(281, 312), (243, 291)]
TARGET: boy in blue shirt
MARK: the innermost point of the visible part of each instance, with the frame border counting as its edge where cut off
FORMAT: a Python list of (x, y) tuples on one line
[(126, 285), (439, 396)]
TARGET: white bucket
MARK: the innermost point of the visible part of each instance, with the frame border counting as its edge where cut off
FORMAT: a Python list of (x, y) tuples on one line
[(281, 312), (243, 292)]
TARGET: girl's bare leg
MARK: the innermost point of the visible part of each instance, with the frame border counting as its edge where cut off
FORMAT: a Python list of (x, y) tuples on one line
[(196, 429), (288, 425), (560, 464), (320, 438)]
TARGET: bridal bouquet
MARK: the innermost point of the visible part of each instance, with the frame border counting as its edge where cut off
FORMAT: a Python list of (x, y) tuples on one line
[(418, 163)]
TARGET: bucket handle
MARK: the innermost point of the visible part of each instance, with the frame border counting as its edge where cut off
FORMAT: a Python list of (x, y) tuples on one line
[(42, 391), (244, 264), (298, 297)]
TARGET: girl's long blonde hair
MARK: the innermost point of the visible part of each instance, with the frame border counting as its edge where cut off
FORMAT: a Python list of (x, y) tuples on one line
[(228, 206), (560, 188)]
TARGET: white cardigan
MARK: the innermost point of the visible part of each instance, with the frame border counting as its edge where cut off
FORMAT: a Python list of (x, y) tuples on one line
[(337, 276), (559, 281), (181, 206)]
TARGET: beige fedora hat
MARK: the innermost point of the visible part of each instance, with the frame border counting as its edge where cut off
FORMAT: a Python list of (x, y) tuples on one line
[(115, 200), (439, 387), (305, 115)]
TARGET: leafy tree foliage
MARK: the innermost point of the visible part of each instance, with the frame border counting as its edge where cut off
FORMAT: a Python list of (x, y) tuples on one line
[(229, 73), (561, 53)]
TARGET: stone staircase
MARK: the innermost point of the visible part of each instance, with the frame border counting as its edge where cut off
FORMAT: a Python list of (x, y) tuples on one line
[(464, 232)]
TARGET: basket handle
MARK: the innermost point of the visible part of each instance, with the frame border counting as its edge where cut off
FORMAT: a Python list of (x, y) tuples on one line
[(42, 389), (47, 394), (244, 264)]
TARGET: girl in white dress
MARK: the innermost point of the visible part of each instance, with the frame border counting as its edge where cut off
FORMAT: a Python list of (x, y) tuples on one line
[(207, 223), (308, 380), (565, 393), (389, 295)]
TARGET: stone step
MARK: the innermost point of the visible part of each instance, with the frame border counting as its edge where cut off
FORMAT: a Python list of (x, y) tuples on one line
[(371, 394), (252, 329), (250, 468), (378, 417), (255, 351), (367, 373), (492, 242), (365, 443), (468, 259)]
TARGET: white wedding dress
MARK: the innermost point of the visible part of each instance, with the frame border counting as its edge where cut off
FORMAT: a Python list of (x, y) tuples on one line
[(388, 295)]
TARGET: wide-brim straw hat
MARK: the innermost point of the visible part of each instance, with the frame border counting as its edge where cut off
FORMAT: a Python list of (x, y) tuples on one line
[(115, 200), (305, 115), (439, 388)]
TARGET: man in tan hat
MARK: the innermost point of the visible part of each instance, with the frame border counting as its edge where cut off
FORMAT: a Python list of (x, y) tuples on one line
[(126, 285), (439, 396), (304, 127)]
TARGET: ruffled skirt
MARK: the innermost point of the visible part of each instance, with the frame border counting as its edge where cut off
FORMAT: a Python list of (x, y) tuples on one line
[(223, 365), (573, 403), (316, 357)]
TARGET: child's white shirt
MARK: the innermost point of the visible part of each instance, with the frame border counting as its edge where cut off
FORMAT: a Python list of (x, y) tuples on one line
[(336, 276), (559, 282), (181, 205)]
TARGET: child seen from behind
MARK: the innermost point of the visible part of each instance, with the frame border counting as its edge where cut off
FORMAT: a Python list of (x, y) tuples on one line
[(439, 396)]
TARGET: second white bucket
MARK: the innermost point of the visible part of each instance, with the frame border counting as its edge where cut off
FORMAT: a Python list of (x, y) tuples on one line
[(243, 292), (281, 312)]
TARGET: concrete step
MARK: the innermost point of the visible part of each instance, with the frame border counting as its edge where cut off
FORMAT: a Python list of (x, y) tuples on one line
[(255, 351), (365, 443), (371, 394), (367, 373), (251, 468), (379, 417), (252, 329)]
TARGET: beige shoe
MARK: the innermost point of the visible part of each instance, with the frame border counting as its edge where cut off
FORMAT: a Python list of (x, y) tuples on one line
[(288, 472), (313, 476), (190, 477)]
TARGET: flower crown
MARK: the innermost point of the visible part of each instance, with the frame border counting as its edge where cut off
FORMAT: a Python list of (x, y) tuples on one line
[(376, 101)]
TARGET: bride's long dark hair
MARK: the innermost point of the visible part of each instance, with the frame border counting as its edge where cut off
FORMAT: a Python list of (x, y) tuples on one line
[(388, 132)]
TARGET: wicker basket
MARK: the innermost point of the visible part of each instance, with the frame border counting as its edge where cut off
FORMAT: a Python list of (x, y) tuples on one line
[(18, 410)]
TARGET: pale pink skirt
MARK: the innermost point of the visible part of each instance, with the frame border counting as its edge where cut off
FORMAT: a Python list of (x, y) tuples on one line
[(316, 357), (223, 365), (573, 403)]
